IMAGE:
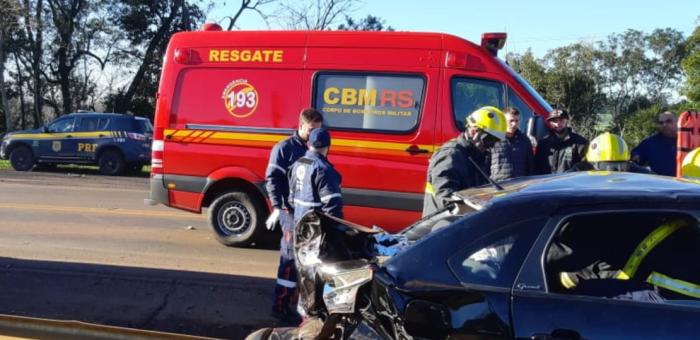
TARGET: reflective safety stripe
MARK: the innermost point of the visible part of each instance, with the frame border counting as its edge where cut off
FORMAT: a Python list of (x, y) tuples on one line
[(286, 283), (675, 285), (566, 281), (647, 245), (327, 198), (306, 204), (429, 189), (276, 167)]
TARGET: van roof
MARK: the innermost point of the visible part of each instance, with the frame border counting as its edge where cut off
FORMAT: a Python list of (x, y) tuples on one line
[(367, 39)]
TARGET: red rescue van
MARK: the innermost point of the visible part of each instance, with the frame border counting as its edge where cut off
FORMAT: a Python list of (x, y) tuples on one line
[(389, 98)]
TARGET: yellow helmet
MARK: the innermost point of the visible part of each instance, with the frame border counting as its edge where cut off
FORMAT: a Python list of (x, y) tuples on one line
[(608, 147), (490, 119), (691, 164)]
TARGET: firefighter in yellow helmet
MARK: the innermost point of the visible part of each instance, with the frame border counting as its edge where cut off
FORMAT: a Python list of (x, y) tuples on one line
[(690, 168), (608, 152), (453, 166)]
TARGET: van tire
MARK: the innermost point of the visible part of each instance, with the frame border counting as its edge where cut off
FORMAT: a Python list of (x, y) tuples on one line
[(22, 158), (111, 163), (237, 219)]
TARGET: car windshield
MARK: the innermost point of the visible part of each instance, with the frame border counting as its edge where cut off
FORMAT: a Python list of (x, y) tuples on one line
[(527, 86)]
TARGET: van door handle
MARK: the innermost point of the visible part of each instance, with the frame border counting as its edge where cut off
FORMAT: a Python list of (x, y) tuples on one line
[(414, 150)]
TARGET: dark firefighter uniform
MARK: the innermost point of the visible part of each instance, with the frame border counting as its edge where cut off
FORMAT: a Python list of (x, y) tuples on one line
[(658, 260), (314, 183), (449, 171), (283, 155)]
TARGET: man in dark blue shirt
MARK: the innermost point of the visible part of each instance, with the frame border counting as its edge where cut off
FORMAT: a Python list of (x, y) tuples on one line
[(659, 150), (282, 157)]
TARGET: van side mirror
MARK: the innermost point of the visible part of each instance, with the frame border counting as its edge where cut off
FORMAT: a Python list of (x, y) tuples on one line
[(536, 129)]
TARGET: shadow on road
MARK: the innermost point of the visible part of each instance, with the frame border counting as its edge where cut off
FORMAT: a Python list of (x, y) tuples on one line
[(82, 170), (188, 302)]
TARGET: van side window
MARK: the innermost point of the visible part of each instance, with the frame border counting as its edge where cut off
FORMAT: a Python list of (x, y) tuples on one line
[(389, 103), (88, 124), (525, 111), (469, 94)]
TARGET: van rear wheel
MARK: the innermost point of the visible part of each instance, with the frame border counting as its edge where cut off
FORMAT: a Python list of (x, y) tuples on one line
[(237, 219)]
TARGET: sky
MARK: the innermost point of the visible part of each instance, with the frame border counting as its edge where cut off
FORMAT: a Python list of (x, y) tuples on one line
[(538, 25)]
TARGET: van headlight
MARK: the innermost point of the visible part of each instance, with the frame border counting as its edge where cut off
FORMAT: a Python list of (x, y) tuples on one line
[(343, 279)]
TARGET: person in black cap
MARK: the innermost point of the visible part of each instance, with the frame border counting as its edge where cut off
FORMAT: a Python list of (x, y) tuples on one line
[(282, 156), (562, 148)]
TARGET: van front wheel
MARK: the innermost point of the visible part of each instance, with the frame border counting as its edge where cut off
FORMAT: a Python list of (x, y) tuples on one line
[(237, 219)]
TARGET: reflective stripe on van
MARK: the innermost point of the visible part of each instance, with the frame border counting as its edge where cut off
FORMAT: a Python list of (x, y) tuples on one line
[(269, 140)]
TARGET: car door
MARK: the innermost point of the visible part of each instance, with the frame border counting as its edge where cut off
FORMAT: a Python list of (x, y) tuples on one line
[(60, 142), (539, 311), (87, 137)]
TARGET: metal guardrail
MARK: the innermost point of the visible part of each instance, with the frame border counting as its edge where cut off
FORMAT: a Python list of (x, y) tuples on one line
[(35, 328)]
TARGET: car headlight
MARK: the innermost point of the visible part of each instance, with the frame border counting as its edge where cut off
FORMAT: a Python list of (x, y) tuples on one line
[(343, 281)]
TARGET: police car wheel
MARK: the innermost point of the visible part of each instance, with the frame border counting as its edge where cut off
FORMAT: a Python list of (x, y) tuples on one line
[(111, 163), (22, 158), (237, 219)]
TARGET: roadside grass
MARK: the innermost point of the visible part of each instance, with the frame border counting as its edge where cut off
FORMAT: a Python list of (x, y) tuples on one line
[(5, 164)]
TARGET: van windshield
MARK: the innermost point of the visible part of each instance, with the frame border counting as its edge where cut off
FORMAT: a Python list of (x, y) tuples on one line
[(527, 86)]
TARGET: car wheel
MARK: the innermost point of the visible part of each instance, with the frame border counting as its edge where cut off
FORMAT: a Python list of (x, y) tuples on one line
[(111, 163), (237, 219), (22, 158)]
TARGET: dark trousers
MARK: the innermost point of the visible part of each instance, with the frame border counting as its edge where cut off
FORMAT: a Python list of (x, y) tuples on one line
[(286, 294)]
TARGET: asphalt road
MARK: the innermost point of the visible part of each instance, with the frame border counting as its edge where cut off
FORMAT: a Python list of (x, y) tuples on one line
[(84, 247)]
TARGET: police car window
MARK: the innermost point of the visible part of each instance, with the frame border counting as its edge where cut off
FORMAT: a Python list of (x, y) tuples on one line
[(369, 102), (143, 126), (88, 124), (495, 258), (470, 94), (103, 124), (62, 125), (123, 124), (525, 111)]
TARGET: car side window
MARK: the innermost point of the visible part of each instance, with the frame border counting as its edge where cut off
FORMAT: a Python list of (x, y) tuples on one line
[(638, 256), (370, 102), (469, 94), (62, 125), (495, 258), (103, 124), (88, 124)]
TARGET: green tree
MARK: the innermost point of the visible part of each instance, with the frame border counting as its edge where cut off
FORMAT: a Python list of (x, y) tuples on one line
[(369, 23), (691, 66)]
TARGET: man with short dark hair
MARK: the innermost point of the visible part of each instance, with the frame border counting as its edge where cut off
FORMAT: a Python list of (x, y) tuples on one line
[(562, 148), (659, 150), (282, 156), (513, 156)]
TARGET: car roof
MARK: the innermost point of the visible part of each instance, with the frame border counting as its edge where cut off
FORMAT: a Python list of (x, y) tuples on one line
[(584, 186), (98, 114)]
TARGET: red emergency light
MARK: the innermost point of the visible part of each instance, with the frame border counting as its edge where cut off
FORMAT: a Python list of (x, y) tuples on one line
[(493, 42), (210, 26), (182, 55)]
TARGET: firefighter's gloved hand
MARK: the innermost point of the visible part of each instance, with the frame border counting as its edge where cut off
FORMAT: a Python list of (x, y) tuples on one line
[(271, 221)]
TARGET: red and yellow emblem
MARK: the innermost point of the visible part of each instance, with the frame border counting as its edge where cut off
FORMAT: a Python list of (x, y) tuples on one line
[(240, 98)]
